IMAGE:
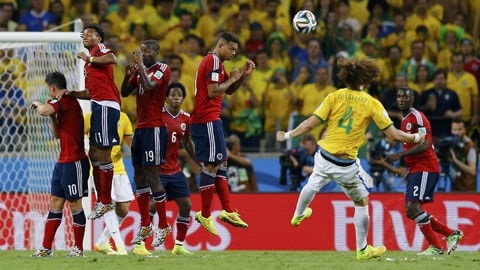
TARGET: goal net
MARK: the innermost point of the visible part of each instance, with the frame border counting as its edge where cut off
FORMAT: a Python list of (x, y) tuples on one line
[(28, 150)]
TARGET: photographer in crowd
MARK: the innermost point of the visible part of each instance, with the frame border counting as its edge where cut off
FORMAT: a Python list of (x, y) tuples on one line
[(464, 159), (382, 172), (299, 162), (241, 176)]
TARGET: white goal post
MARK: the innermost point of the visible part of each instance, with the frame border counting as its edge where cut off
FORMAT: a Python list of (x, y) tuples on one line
[(28, 150)]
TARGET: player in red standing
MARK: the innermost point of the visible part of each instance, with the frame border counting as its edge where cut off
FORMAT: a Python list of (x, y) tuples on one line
[(422, 177), (211, 82), (102, 91), (149, 79), (171, 174), (70, 176)]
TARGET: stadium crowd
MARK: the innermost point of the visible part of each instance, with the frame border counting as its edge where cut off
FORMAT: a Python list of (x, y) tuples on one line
[(430, 46)]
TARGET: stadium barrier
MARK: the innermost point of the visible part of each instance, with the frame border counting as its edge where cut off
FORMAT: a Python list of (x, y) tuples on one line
[(268, 215)]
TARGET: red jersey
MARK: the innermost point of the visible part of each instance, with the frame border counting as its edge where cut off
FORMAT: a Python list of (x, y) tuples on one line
[(210, 71), (99, 78), (150, 103), (70, 128), (427, 160), (473, 66), (178, 126)]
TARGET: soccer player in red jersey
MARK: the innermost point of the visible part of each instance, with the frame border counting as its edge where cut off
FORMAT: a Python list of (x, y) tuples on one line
[(149, 79), (422, 177), (105, 99), (171, 174), (70, 176), (207, 129)]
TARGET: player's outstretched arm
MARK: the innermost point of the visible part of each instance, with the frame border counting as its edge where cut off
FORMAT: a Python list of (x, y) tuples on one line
[(304, 127), (400, 136), (82, 94), (47, 110)]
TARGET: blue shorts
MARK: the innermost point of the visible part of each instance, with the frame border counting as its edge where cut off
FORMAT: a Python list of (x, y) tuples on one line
[(104, 125), (421, 186), (175, 185), (209, 142), (149, 146), (70, 180)]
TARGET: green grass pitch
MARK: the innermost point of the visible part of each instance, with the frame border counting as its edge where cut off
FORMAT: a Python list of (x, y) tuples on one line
[(277, 260)]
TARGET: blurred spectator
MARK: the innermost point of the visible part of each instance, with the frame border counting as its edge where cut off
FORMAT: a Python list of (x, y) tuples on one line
[(344, 17), (100, 9), (465, 85), (163, 21), (421, 17), (311, 95), (174, 41), (256, 41), (440, 104), (464, 159), (137, 34), (278, 102), (449, 37), (7, 12), (315, 59), (275, 20), (12, 111), (141, 9), (471, 62), (239, 25), (121, 20), (381, 172), (379, 15), (211, 23), (400, 36), (390, 66), (192, 55), (245, 121), (389, 99), (276, 47), (36, 19), (345, 40), (194, 7), (261, 77), (409, 67), (240, 172), (422, 80)]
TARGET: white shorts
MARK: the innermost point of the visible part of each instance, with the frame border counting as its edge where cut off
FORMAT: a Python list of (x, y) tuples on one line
[(121, 188), (352, 179)]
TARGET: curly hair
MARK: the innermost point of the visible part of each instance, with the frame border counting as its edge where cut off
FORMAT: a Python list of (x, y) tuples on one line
[(97, 29), (356, 73)]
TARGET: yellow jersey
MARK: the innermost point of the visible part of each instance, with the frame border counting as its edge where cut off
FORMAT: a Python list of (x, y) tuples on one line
[(466, 87), (348, 114), (124, 129)]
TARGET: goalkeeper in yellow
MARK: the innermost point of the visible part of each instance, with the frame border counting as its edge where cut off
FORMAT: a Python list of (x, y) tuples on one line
[(122, 193), (347, 112)]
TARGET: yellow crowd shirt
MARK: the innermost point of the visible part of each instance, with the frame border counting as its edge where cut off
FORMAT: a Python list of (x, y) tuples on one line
[(348, 114), (466, 87), (124, 129)]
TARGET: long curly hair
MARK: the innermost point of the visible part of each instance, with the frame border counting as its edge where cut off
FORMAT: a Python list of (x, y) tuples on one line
[(357, 73)]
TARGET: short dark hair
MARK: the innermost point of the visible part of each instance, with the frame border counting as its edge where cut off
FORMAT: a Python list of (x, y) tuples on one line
[(176, 85), (458, 120), (440, 71), (152, 43), (406, 90), (97, 29), (230, 37), (56, 79)]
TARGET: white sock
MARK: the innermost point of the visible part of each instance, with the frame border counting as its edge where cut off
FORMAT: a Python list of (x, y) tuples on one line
[(178, 242), (105, 236), (361, 219), (111, 222), (306, 196)]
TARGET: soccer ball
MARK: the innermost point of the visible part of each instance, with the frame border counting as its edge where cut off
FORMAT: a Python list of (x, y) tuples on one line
[(304, 22)]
